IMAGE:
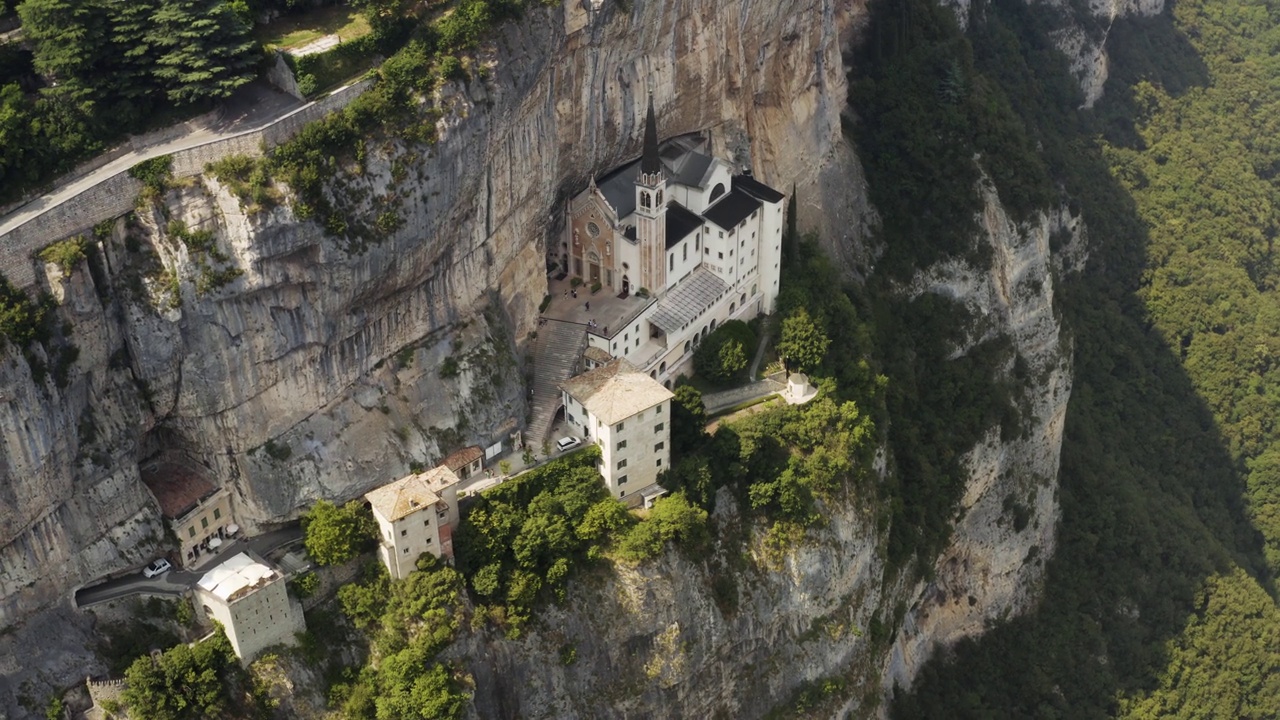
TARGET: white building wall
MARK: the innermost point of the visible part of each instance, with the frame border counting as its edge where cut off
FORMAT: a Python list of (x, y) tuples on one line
[(256, 621), (682, 259), (771, 253), (626, 341), (628, 262), (405, 539), (716, 251), (645, 451)]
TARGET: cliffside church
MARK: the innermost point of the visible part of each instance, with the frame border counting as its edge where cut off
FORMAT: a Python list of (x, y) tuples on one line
[(698, 243)]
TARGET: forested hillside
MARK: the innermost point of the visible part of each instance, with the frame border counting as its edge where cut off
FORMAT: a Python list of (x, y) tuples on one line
[(1160, 599)]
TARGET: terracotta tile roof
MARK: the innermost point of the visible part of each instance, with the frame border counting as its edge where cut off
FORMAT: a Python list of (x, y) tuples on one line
[(411, 494), (462, 458), (597, 355), (178, 488), (616, 391)]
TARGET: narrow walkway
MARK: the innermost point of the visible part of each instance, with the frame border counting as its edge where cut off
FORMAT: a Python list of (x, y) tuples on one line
[(765, 326), (718, 402), (556, 352), (254, 106)]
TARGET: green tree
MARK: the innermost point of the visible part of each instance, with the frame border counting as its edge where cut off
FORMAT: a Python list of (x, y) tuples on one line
[(722, 357), (334, 535), (688, 420), (803, 344), (673, 518), (204, 50), (71, 40), (188, 682)]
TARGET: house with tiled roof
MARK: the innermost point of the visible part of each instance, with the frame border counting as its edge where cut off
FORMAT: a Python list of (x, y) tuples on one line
[(699, 235), (465, 462), (416, 514), (627, 413), (196, 511)]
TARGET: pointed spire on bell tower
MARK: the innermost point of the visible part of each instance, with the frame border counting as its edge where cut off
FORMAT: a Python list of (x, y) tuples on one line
[(649, 162)]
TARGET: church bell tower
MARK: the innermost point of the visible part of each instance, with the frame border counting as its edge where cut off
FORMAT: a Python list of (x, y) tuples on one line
[(651, 210)]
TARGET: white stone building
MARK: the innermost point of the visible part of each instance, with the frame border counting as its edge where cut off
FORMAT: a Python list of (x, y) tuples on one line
[(628, 414), (703, 240), (416, 514), (250, 600)]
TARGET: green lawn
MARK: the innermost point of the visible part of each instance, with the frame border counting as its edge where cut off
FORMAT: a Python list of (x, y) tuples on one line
[(294, 31)]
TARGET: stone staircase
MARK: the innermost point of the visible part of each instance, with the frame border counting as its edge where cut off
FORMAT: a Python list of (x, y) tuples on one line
[(556, 352)]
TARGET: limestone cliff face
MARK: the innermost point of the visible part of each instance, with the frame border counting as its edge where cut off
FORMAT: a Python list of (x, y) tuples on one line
[(1081, 33), (1084, 39), (1008, 515), (315, 372)]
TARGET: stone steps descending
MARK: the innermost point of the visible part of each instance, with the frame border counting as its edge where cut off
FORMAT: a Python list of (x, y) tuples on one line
[(557, 349)]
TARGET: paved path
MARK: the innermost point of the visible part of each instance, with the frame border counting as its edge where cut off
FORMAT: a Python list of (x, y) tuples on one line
[(254, 106), (177, 582), (717, 402), (764, 342)]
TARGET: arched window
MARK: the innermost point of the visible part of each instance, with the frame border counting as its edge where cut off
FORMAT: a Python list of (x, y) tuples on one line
[(645, 201), (687, 346), (593, 257), (753, 289), (658, 203), (713, 324), (662, 368), (743, 299), (653, 374), (717, 191), (732, 307), (672, 265), (697, 242)]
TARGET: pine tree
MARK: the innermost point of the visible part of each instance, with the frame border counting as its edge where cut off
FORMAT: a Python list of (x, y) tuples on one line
[(71, 42), (803, 343), (134, 53), (205, 50)]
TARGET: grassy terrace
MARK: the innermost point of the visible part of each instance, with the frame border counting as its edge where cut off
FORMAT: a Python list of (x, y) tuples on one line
[(294, 31)]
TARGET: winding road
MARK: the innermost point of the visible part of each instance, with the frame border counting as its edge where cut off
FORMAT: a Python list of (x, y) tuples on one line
[(177, 582)]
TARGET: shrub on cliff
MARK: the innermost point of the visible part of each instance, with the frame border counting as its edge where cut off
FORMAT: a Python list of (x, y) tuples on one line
[(334, 535)]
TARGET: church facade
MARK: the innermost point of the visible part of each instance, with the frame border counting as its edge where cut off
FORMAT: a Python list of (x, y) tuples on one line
[(690, 231)]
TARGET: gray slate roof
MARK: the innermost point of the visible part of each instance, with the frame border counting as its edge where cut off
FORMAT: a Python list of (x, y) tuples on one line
[(681, 221), (689, 300), (732, 209)]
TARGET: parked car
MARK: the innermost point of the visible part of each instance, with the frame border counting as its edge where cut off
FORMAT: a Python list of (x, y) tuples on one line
[(157, 567), (565, 443)]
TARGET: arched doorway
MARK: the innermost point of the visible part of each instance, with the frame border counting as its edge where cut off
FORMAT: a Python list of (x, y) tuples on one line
[(626, 285), (593, 266)]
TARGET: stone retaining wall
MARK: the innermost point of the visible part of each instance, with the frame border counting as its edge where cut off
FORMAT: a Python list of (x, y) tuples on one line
[(116, 195)]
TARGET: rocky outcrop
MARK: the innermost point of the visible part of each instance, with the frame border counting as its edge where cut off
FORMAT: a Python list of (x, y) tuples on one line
[(1083, 39), (1008, 515), (1081, 33)]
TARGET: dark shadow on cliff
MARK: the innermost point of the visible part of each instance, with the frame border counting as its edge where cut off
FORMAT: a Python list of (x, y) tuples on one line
[(1153, 501), (1148, 50)]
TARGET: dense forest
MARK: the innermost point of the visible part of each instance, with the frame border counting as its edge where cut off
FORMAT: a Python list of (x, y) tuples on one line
[(1160, 599)]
